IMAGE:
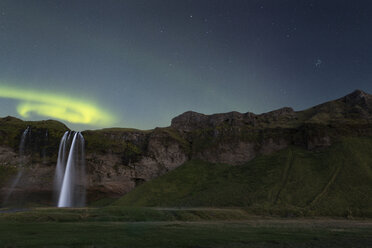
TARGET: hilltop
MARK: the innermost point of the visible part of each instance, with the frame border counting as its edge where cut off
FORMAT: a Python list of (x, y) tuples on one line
[(234, 147)]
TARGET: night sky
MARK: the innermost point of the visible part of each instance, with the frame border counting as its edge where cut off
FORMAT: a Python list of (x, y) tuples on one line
[(142, 62)]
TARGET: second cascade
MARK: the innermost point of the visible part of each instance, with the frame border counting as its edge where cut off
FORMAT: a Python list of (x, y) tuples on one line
[(69, 180)]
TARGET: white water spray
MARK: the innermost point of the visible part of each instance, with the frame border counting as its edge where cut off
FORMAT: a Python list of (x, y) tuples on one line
[(69, 180), (22, 147), (60, 168)]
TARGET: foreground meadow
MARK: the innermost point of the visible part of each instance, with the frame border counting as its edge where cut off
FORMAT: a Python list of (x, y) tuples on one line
[(151, 227)]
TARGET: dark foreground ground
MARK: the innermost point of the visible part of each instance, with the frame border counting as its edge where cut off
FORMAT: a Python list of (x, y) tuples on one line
[(181, 234), (164, 228)]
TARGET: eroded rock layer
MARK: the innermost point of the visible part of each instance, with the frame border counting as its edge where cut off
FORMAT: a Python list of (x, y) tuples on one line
[(119, 159)]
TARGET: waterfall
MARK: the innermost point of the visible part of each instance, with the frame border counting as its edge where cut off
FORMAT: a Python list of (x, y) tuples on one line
[(22, 144), (22, 149), (69, 181), (81, 190), (60, 168)]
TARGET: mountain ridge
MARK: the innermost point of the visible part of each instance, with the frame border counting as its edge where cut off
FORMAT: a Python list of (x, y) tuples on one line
[(120, 159), (357, 98), (191, 120)]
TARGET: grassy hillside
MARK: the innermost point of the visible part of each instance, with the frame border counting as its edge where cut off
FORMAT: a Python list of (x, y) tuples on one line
[(334, 181), (11, 130)]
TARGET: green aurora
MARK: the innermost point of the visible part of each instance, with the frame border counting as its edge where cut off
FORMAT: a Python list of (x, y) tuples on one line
[(48, 104)]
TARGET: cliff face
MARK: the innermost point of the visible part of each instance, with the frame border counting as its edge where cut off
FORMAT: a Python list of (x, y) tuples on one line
[(120, 159), (136, 157)]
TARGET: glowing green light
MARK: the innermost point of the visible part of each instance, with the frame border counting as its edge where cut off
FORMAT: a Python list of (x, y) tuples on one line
[(56, 106)]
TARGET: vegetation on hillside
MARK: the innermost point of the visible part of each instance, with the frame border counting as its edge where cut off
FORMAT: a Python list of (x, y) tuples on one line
[(11, 130), (333, 181)]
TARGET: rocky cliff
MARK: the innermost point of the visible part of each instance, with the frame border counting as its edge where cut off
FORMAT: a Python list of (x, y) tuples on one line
[(120, 159)]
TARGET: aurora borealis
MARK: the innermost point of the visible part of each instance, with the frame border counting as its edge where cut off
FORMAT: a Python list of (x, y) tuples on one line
[(139, 63), (55, 106)]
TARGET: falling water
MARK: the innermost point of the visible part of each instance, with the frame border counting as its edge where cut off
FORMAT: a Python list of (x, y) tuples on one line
[(81, 191), (22, 147), (61, 164), (70, 171)]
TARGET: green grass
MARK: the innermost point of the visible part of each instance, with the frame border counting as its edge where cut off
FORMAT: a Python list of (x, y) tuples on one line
[(135, 214), (173, 227), (106, 142), (181, 234), (336, 181), (120, 130), (11, 130)]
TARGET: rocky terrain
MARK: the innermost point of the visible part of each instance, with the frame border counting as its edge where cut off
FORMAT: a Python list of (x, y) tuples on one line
[(118, 159)]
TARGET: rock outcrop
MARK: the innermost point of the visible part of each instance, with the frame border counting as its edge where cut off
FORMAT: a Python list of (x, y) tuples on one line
[(120, 159)]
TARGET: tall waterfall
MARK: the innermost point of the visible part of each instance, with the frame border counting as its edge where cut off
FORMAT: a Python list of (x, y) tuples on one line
[(61, 164), (69, 181), (22, 149)]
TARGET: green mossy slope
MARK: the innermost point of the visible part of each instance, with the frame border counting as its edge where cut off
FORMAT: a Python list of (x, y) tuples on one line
[(11, 130), (335, 181)]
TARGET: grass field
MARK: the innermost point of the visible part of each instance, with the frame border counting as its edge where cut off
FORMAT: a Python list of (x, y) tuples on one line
[(280, 200), (154, 227), (335, 181)]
